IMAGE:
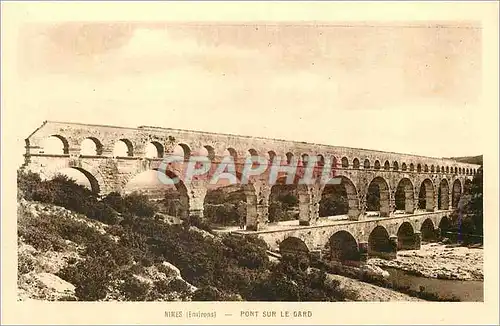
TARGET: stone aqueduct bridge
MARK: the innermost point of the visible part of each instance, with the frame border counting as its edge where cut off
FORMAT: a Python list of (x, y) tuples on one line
[(442, 180)]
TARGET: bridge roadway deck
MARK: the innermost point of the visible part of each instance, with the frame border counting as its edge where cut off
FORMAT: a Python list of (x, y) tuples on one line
[(317, 236)]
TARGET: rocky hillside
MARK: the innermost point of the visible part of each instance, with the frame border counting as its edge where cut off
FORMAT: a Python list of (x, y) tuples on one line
[(73, 245), (469, 159), (53, 240)]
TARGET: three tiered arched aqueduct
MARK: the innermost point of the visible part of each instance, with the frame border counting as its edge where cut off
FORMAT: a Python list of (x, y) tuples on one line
[(355, 235)]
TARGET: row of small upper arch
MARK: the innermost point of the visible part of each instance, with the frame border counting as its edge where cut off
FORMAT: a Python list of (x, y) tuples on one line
[(154, 149)]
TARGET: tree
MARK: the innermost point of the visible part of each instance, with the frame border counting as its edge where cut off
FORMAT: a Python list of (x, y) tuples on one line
[(468, 218), (373, 198), (476, 202)]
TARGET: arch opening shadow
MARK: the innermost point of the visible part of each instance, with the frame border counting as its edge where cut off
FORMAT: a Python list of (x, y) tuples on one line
[(467, 186), (427, 231), (123, 148), (154, 150), (91, 146), (228, 204), (55, 145), (456, 194), (344, 162), (444, 226), (377, 197), (379, 243), (288, 202), (404, 196), (182, 150), (443, 195), (171, 199), (426, 196), (406, 237), (339, 199), (296, 249), (343, 247)]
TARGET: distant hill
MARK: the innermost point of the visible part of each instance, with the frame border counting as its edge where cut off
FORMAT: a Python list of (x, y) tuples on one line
[(469, 159)]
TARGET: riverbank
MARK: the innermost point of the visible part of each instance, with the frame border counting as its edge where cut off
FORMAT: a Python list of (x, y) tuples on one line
[(438, 261), (370, 292)]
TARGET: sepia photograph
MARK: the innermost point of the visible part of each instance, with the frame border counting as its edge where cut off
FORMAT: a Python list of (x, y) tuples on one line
[(267, 161)]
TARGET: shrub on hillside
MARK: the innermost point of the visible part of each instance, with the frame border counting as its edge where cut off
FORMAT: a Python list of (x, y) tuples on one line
[(236, 279), (279, 211), (36, 235), (65, 192), (168, 290), (222, 214), (198, 222), (275, 288), (103, 246), (133, 289), (48, 231), (91, 277), (103, 213), (177, 285), (287, 283), (139, 205), (248, 252), (116, 201), (27, 182), (131, 204), (25, 263), (211, 293)]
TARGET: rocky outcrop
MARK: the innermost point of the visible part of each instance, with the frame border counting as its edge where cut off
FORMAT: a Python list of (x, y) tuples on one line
[(36, 209), (168, 272), (45, 286), (373, 271), (203, 233)]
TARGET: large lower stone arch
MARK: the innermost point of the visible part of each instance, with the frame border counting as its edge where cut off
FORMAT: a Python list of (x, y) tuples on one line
[(164, 186), (339, 197), (377, 196), (294, 246), (404, 197), (456, 193), (443, 195), (406, 237), (428, 230), (295, 251), (426, 195), (93, 186), (94, 176), (343, 247), (380, 244)]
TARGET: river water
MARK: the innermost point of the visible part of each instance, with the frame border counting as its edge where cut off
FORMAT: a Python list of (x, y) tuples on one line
[(445, 289)]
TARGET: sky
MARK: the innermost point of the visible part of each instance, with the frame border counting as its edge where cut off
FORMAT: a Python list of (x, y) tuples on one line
[(403, 88)]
